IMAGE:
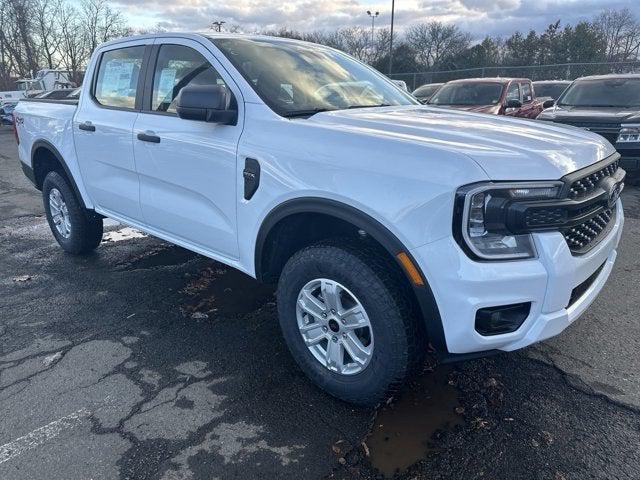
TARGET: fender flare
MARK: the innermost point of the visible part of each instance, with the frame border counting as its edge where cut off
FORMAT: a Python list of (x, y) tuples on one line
[(380, 233), (54, 151)]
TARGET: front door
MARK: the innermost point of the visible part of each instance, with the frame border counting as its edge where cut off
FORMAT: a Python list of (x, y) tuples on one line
[(187, 168), (103, 129)]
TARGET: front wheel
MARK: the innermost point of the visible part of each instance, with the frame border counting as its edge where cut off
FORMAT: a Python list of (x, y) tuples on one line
[(348, 321), (76, 229)]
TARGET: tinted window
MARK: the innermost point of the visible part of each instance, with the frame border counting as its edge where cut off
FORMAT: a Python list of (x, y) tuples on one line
[(513, 93), (298, 78), (552, 90), (178, 66), (118, 73), (426, 91), (472, 93), (527, 95), (610, 92)]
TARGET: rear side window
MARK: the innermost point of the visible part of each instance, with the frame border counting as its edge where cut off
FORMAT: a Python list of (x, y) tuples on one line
[(117, 81), (178, 66), (527, 95)]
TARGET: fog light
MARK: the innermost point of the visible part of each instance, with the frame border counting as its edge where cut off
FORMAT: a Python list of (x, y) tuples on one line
[(501, 319)]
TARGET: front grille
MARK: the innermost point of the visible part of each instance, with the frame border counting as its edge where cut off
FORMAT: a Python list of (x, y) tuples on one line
[(586, 185), (584, 236), (581, 289), (549, 216)]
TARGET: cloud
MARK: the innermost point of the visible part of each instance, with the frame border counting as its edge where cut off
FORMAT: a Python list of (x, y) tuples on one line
[(479, 17)]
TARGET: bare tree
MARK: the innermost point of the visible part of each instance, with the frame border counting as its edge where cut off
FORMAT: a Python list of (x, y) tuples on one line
[(436, 41), (101, 23), (47, 35), (74, 51), (621, 31)]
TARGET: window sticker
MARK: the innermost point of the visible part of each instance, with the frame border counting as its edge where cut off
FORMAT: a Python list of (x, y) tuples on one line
[(165, 85)]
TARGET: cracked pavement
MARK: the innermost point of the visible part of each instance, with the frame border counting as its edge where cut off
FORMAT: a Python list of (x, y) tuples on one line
[(144, 360)]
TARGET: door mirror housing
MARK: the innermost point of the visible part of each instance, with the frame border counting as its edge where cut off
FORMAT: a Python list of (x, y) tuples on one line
[(207, 103), (513, 104), (548, 103)]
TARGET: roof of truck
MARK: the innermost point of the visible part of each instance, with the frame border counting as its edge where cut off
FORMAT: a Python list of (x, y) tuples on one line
[(196, 35), (490, 79), (611, 75)]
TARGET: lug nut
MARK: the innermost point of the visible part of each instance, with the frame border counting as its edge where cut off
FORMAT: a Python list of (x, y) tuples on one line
[(324, 329), (324, 314), (333, 311), (344, 322), (344, 335), (335, 339)]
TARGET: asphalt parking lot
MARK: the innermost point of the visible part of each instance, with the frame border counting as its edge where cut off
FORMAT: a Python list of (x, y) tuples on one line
[(145, 361)]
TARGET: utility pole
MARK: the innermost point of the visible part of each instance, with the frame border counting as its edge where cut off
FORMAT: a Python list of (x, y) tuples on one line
[(217, 26), (373, 20), (393, 7)]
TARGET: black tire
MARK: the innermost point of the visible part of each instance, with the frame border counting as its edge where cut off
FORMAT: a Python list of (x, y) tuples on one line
[(399, 345), (86, 227)]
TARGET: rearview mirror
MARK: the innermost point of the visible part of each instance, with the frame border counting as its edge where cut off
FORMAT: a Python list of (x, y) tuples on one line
[(548, 103), (513, 104), (207, 103)]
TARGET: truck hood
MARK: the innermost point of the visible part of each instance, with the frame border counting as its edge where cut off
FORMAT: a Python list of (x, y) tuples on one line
[(600, 115), (505, 148)]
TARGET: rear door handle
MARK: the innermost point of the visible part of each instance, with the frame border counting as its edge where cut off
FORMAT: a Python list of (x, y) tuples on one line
[(149, 137), (87, 126)]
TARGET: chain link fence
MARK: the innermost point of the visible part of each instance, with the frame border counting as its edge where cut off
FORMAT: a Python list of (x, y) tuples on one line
[(558, 71)]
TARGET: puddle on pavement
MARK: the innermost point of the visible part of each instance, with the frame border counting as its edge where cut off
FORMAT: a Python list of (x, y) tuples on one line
[(220, 291), (402, 432)]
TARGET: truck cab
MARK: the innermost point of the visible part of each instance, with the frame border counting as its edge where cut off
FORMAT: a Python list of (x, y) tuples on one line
[(390, 228)]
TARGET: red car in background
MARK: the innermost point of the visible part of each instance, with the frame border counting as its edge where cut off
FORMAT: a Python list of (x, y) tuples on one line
[(497, 96)]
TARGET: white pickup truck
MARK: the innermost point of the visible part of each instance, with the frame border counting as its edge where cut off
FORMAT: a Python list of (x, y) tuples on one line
[(391, 228)]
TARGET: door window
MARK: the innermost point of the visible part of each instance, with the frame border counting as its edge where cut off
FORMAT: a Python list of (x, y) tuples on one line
[(117, 81), (527, 95), (178, 66), (513, 93)]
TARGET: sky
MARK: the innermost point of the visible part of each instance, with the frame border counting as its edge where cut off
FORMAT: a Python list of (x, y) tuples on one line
[(479, 17)]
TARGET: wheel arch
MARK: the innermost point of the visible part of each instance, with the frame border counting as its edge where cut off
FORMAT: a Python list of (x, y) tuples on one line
[(360, 220), (45, 158)]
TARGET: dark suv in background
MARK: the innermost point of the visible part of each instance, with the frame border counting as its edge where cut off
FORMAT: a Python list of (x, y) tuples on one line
[(608, 105)]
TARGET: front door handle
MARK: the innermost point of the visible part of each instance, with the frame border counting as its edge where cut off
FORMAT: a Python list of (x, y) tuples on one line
[(87, 126), (149, 137)]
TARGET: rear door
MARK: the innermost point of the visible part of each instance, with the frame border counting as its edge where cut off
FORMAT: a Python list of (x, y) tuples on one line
[(103, 128), (187, 168)]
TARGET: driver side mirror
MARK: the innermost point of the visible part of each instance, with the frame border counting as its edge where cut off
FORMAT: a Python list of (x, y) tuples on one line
[(207, 103), (548, 103), (513, 104)]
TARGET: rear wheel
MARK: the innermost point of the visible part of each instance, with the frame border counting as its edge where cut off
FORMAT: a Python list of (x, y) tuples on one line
[(348, 321), (75, 228)]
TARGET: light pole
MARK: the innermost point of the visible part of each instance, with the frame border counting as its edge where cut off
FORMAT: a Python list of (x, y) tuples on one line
[(217, 26), (393, 7), (373, 21)]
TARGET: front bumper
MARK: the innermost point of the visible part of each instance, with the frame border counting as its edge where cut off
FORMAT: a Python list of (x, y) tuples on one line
[(462, 286)]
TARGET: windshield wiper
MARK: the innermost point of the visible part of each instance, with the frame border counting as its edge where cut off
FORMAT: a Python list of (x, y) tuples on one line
[(369, 106), (306, 113)]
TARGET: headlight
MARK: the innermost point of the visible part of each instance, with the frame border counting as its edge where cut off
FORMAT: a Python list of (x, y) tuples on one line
[(481, 218), (629, 133)]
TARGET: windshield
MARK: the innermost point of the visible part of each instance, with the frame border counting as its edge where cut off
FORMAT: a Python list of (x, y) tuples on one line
[(303, 79), (426, 91), (553, 90), (472, 93), (610, 92)]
